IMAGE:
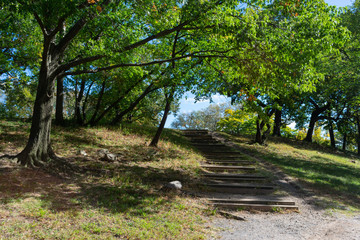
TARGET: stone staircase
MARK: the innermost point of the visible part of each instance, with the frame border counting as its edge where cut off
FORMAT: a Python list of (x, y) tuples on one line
[(231, 173)]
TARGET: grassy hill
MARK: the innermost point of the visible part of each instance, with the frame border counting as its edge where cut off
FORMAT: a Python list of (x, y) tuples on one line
[(104, 200), (123, 199)]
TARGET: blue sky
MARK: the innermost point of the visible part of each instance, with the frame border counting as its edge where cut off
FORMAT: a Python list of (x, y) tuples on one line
[(339, 3), (187, 103)]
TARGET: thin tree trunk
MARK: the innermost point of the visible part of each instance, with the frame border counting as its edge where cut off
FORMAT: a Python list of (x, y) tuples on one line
[(98, 104), (264, 135), (358, 137), (331, 132), (78, 99), (116, 103), (344, 142), (156, 138), (85, 101), (277, 123), (120, 115), (59, 114)]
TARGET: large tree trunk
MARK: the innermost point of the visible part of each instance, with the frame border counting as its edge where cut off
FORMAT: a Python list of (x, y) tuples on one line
[(156, 138), (259, 138), (59, 114), (38, 148), (277, 123), (314, 118)]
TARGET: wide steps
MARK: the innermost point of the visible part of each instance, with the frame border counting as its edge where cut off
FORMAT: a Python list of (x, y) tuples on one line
[(227, 170)]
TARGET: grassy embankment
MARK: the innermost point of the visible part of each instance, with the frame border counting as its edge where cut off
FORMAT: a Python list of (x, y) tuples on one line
[(109, 200), (333, 176)]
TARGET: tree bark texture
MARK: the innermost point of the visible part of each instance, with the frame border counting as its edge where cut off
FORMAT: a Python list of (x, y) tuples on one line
[(59, 114), (260, 135), (38, 148)]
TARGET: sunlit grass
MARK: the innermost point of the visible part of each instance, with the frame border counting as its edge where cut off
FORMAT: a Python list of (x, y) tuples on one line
[(112, 200)]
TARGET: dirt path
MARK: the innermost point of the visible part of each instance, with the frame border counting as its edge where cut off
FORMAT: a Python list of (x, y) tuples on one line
[(312, 222)]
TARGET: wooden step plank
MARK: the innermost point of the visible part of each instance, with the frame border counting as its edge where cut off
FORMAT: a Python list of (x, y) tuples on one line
[(214, 148), (206, 141), (230, 175), (208, 145), (234, 162), (224, 167), (223, 153), (226, 157), (263, 207), (239, 188), (240, 185), (255, 201), (233, 180)]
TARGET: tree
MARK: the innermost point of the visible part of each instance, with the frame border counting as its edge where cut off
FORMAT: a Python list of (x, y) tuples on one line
[(83, 37), (207, 118)]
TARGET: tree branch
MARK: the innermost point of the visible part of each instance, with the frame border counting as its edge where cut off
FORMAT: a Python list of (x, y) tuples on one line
[(155, 36), (41, 24), (194, 55)]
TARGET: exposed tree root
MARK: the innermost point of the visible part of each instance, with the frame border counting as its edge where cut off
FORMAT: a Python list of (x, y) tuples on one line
[(54, 165), (8, 156)]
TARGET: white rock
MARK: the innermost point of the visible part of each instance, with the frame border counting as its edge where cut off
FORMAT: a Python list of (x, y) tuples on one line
[(81, 152), (174, 185)]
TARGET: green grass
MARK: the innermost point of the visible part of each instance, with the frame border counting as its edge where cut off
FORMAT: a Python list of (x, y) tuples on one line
[(120, 200), (333, 175)]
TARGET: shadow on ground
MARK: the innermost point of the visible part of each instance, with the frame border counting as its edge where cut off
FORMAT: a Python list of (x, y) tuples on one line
[(129, 189)]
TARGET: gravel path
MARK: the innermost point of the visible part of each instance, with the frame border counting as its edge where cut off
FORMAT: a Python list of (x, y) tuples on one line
[(312, 222)]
